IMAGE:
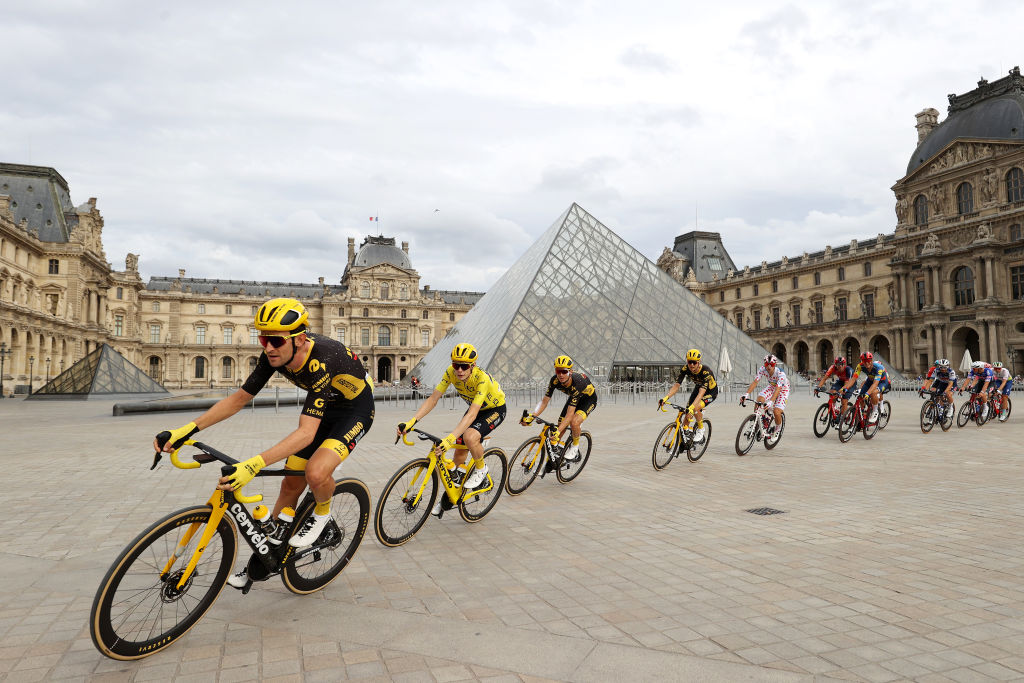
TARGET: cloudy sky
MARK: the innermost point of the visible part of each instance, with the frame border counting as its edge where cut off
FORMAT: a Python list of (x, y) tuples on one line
[(252, 142)]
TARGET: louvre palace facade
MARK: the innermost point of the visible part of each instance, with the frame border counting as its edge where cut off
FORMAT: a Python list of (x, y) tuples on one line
[(947, 277), (60, 299)]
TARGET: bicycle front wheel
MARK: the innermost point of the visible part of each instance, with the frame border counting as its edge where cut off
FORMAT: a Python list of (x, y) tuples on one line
[(772, 441), (524, 466), (947, 414), (665, 447), (884, 413), (696, 450), (478, 502), (847, 424), (965, 415), (571, 469), (822, 420), (869, 429), (315, 566), (928, 416), (747, 435), (399, 515), (980, 413), (1005, 415), (138, 611)]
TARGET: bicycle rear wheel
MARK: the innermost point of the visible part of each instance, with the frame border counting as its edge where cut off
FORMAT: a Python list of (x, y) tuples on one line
[(398, 515), (928, 416), (965, 415), (847, 424), (524, 466), (136, 612), (884, 413), (696, 450), (747, 435), (310, 569), (822, 420), (475, 505), (665, 447), (772, 441), (571, 469)]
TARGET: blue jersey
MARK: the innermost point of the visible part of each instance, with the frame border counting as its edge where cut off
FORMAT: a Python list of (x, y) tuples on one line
[(873, 371)]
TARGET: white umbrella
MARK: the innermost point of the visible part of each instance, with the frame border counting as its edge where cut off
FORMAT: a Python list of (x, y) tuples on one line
[(724, 364), (965, 364)]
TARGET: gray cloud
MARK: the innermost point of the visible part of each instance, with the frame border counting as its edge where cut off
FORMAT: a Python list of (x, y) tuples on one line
[(643, 58)]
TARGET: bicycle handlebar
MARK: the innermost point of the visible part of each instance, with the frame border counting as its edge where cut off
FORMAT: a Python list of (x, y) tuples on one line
[(422, 436)]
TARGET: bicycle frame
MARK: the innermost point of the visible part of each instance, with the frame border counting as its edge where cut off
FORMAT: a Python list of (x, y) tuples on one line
[(456, 492), (677, 434), (546, 446)]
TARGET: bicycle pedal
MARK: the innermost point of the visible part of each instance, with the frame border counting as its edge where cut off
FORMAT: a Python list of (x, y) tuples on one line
[(245, 589)]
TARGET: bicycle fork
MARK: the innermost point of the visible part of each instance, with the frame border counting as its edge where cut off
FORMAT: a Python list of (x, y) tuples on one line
[(219, 506)]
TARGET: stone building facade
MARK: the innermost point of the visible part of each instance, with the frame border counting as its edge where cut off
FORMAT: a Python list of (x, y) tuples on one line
[(60, 298), (948, 278)]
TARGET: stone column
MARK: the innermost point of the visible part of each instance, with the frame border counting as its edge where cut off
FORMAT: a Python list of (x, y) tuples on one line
[(993, 341), (937, 288), (897, 348), (990, 278), (929, 292)]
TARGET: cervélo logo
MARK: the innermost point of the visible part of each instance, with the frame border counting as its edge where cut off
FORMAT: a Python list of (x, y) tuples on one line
[(245, 523)]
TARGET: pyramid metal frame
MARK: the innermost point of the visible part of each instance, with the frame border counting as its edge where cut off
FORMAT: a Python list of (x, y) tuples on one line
[(583, 291), (102, 373)]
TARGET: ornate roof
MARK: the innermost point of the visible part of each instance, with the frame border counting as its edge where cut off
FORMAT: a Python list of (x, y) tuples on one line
[(376, 250)]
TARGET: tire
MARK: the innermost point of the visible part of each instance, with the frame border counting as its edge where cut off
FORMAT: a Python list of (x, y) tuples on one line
[(475, 507), (847, 424), (695, 451), (666, 447), (746, 435), (135, 613), (965, 415), (884, 413), (310, 569), (395, 519), (979, 414), (871, 428), (928, 416), (525, 465), (822, 421), (947, 421), (773, 441), (571, 469)]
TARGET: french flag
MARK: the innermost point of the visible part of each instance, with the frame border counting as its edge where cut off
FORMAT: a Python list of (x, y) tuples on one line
[(373, 218)]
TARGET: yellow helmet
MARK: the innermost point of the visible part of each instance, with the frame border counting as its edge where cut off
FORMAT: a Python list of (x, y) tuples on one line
[(464, 353), (563, 362), (692, 354), (281, 315)]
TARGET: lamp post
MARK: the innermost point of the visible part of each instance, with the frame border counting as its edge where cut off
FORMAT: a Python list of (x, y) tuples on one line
[(4, 352), (47, 369), (31, 362), (1011, 355)]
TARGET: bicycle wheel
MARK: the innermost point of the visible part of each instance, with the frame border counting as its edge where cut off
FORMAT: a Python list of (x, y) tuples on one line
[(696, 450), (746, 435), (928, 416), (870, 428), (884, 413), (398, 516), (948, 415), (313, 567), (980, 413), (772, 441), (524, 466), (136, 612), (965, 415), (665, 447), (475, 505), (822, 420), (847, 424), (571, 469)]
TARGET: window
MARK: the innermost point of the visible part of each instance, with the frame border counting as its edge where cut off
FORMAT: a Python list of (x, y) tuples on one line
[(739, 320), (364, 290), (919, 290), (869, 305), (225, 368), (385, 289), (867, 269), (200, 334), (796, 282), (364, 336), (841, 273), (154, 334), (451, 317), (721, 296), (254, 309), (403, 337), (252, 364), (54, 266), (756, 287), (119, 325), (775, 285), (963, 286), (424, 338), (1014, 185), (201, 308), (426, 314), (154, 368), (775, 316), (841, 313), (819, 313), (737, 292), (757, 320), (341, 311), (964, 198), (404, 292), (200, 368), (1017, 282), (254, 335), (341, 335), (817, 279), (404, 313), (156, 306), (714, 263), (920, 210), (796, 314), (1015, 232), (366, 312), (120, 292), (227, 309), (384, 336), (228, 333)]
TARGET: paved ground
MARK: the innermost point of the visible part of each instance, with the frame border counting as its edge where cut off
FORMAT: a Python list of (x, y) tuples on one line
[(898, 558)]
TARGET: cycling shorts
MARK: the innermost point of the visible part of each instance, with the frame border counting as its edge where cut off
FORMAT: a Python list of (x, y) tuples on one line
[(486, 421), (1006, 390), (883, 386), (708, 399), (940, 385), (585, 405), (780, 402), (837, 386), (339, 430)]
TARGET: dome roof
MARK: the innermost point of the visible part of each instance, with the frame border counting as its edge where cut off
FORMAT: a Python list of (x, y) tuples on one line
[(993, 111), (377, 250)]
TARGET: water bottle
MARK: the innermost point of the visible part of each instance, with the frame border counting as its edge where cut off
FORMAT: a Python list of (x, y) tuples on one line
[(263, 518), (284, 526)]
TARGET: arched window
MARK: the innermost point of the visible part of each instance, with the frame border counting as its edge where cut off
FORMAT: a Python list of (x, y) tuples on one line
[(964, 198), (364, 290), (385, 289), (920, 210), (384, 336), (404, 291), (426, 314), (963, 286), (225, 365), (154, 367), (404, 313), (252, 364), (366, 312), (1015, 185), (200, 368)]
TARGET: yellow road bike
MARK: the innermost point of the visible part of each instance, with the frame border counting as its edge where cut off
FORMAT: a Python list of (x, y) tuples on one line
[(165, 580), (405, 502), (542, 454), (674, 440)]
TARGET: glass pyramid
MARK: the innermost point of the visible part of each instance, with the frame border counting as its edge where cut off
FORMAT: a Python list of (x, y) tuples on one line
[(581, 290), (104, 373)]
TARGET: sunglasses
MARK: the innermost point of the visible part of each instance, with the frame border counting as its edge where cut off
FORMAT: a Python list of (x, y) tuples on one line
[(693, 362), (274, 340), (462, 366), (561, 371)]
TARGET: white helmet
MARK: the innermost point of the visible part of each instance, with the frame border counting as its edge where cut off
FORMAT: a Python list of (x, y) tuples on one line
[(998, 364), (771, 360), (978, 364), (942, 363)]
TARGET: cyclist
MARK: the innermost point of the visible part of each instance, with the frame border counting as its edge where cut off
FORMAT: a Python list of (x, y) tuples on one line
[(842, 372), (705, 391), (876, 381), (1002, 375), (337, 413), (582, 401), (982, 375), (486, 411), (943, 377), (775, 394)]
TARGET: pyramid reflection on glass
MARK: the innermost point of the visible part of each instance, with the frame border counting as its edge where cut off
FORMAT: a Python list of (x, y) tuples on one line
[(581, 290), (103, 373)]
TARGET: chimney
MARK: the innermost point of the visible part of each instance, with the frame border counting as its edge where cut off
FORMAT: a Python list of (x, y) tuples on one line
[(351, 250), (181, 273), (321, 281), (927, 120), (405, 247)]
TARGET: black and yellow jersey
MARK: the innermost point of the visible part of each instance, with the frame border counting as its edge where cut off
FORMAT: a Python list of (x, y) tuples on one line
[(702, 378), (479, 388), (579, 387), (331, 375)]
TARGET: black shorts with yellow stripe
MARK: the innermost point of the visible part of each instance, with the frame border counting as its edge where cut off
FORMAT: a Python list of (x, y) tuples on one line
[(340, 430), (585, 405), (486, 421), (708, 398)]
